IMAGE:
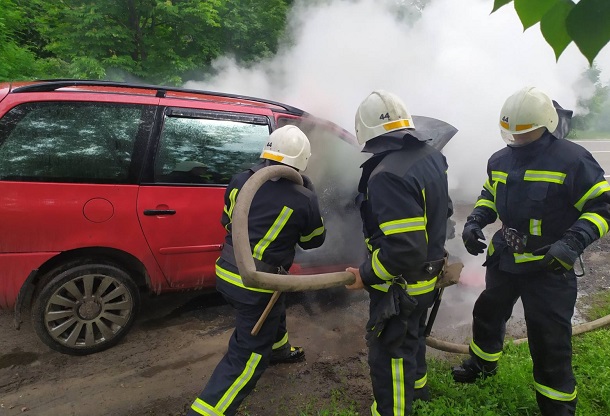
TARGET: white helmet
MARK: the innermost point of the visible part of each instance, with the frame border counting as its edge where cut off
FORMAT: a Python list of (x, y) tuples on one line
[(380, 113), (526, 110), (288, 145)]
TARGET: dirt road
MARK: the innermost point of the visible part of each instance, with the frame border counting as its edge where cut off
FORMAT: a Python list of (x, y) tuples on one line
[(163, 363)]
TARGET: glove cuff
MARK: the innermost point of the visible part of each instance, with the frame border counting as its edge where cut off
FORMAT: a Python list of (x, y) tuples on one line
[(475, 219), (574, 242)]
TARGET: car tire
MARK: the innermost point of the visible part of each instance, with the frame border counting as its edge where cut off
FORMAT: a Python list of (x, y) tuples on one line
[(85, 308)]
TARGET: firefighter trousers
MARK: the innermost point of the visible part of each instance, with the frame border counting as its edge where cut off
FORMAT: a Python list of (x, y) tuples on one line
[(548, 303), (395, 374), (246, 359)]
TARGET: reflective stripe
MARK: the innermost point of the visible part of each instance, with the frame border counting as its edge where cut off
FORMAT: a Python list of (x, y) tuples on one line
[(555, 394), (374, 411), (226, 400), (544, 176), (414, 289), (535, 227), (272, 234), (281, 342), (499, 176), (595, 191), (526, 257), (423, 194), (232, 196), (235, 279), (396, 124), (404, 225), (378, 268), (421, 382), (204, 409), (520, 127), (368, 245), (598, 220), (490, 188), (486, 203), (483, 355), (398, 386), (491, 248), (315, 233)]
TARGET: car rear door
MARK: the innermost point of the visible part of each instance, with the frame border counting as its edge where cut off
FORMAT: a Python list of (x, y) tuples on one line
[(180, 208)]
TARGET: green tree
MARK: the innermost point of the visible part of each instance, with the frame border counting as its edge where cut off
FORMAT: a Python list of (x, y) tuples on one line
[(564, 21)]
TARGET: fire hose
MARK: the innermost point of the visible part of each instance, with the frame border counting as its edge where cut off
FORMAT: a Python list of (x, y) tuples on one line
[(286, 283)]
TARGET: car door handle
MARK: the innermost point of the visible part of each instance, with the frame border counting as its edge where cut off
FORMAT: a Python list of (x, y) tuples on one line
[(152, 212)]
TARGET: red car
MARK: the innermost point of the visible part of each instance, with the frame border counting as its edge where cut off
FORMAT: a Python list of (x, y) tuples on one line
[(108, 189)]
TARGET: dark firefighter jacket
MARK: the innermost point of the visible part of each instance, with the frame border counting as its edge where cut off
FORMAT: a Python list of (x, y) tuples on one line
[(404, 205), (282, 215), (542, 190)]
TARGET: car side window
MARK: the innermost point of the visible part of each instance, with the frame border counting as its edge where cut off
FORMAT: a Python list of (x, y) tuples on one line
[(69, 142), (208, 150)]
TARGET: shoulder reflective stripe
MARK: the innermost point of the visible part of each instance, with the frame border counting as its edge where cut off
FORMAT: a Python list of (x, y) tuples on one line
[(374, 411), (226, 400), (272, 234), (404, 225), (483, 355), (201, 407), (368, 245), (486, 203), (525, 257), (281, 342), (422, 287), (595, 191), (315, 233), (535, 227), (555, 394), (598, 220), (490, 188), (499, 176), (490, 248), (378, 268), (232, 197), (544, 176), (235, 279), (398, 386), (420, 383), (423, 194)]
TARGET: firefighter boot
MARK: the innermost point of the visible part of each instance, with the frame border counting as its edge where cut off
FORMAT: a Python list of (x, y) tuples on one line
[(287, 354), (471, 369)]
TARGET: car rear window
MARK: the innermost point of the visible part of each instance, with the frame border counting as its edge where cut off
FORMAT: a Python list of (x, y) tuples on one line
[(69, 142)]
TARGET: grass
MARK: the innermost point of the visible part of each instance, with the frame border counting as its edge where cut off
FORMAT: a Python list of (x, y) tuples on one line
[(511, 391)]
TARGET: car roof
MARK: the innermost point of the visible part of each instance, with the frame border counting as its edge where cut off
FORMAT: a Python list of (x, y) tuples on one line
[(114, 87)]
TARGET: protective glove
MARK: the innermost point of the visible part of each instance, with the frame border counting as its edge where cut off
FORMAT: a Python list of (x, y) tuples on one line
[(471, 235), (560, 256)]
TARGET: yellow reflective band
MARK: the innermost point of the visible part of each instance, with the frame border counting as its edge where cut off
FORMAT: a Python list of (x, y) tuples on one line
[(398, 386), (421, 382), (499, 176), (598, 220), (396, 125), (272, 234), (490, 248), (235, 279), (535, 227), (526, 257), (544, 176), (486, 203), (281, 342), (404, 225), (423, 194), (505, 125), (241, 381), (483, 355), (374, 411), (521, 127), (555, 394), (595, 191), (421, 287), (315, 233), (272, 156), (378, 268), (487, 185), (205, 409), (368, 245)]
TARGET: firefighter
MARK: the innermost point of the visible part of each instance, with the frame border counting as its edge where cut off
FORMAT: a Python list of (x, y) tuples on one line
[(553, 201), (282, 215), (404, 204)]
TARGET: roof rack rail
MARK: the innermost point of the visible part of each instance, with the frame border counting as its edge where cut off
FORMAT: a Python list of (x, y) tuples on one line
[(54, 84)]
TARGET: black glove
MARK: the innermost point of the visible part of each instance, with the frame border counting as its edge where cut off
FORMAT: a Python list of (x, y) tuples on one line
[(471, 235), (560, 256)]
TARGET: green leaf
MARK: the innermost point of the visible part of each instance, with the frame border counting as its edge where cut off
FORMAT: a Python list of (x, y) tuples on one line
[(553, 26), (589, 26), (499, 3), (531, 11)]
